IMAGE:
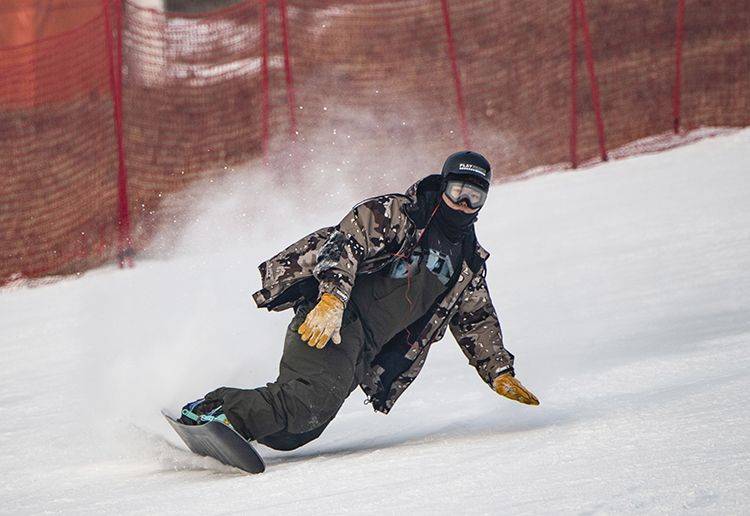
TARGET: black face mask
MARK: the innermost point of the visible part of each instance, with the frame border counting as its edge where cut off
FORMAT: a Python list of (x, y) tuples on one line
[(454, 223)]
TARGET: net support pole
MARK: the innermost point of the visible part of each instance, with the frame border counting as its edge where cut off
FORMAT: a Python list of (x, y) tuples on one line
[(451, 48), (265, 100), (676, 90), (288, 70), (114, 55), (573, 86), (592, 80)]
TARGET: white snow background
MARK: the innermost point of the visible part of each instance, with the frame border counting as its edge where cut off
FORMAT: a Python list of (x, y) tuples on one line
[(623, 290)]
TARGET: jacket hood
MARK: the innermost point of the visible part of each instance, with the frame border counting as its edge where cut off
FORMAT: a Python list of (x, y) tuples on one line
[(431, 183), (423, 196)]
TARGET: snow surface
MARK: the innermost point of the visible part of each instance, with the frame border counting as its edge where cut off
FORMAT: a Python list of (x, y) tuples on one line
[(624, 293)]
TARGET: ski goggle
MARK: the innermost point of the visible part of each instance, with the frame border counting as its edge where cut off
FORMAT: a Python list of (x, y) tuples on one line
[(460, 191)]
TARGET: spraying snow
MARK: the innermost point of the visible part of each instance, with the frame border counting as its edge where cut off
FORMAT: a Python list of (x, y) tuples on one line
[(624, 294)]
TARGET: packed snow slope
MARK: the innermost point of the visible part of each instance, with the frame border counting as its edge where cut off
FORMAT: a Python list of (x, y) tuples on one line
[(624, 292)]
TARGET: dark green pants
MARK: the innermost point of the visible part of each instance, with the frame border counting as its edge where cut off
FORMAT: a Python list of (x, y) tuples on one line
[(311, 387)]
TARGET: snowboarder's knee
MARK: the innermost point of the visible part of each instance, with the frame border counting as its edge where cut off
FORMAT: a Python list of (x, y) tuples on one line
[(312, 407), (286, 441)]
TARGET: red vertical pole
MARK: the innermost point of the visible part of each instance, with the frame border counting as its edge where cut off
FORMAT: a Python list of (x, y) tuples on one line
[(573, 86), (288, 70), (592, 80), (456, 76), (114, 54), (676, 93), (266, 104)]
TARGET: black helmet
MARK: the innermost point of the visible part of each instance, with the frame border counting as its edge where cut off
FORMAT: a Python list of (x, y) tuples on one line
[(469, 165)]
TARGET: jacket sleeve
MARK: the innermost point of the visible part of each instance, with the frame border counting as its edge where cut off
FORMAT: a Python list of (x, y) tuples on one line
[(476, 328), (374, 226)]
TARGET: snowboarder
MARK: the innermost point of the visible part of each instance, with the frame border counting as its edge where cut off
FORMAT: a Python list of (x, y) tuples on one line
[(382, 285)]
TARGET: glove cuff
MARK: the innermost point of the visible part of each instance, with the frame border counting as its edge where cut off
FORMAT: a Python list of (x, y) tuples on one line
[(339, 289), (331, 299)]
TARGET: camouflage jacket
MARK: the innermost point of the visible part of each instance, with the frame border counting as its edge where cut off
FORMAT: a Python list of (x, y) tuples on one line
[(369, 237)]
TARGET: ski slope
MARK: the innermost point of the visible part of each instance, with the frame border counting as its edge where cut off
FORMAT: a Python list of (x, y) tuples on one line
[(624, 292)]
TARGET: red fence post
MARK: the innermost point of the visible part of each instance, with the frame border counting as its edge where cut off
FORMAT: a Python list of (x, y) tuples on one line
[(456, 76), (125, 247), (265, 99), (592, 80), (288, 70), (676, 93), (573, 86)]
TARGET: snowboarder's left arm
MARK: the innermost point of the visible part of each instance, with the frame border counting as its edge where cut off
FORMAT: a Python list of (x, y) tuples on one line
[(476, 328)]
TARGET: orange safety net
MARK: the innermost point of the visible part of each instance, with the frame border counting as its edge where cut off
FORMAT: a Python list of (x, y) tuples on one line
[(90, 144), (58, 164), (27, 21)]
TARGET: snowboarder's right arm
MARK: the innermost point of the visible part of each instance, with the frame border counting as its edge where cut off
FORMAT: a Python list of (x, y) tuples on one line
[(369, 228)]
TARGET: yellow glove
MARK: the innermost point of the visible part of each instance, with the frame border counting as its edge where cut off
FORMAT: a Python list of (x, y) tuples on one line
[(323, 322), (506, 385)]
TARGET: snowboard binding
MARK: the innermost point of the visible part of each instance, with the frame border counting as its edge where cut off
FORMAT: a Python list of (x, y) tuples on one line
[(200, 412)]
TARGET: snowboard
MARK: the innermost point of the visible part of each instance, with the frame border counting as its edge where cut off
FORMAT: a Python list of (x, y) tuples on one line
[(217, 440)]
